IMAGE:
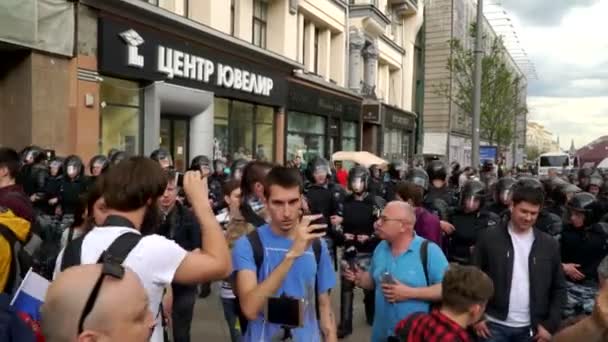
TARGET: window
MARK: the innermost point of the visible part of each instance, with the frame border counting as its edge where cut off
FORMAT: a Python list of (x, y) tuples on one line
[(305, 136), (243, 130), (232, 17), (260, 11), (349, 136), (176, 6), (396, 144), (120, 115)]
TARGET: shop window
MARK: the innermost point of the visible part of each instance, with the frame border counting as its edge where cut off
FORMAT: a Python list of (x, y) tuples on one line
[(120, 115), (260, 14), (305, 136), (396, 144), (243, 130), (349, 136)]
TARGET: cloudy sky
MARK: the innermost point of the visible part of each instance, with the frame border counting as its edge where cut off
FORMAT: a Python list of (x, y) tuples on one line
[(567, 40)]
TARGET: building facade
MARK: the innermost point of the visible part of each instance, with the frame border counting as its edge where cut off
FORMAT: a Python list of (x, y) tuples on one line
[(541, 138), (382, 68), (447, 128), (265, 79)]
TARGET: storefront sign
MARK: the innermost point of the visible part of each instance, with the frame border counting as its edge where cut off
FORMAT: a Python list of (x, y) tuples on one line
[(398, 119), (371, 113), (315, 101), (145, 54)]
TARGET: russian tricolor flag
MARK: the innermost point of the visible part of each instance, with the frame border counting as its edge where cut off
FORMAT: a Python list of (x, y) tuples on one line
[(29, 297)]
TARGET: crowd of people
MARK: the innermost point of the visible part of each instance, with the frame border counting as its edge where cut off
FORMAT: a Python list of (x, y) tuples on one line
[(440, 254)]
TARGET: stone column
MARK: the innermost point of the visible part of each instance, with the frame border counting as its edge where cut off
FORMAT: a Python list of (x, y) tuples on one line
[(370, 56), (356, 43)]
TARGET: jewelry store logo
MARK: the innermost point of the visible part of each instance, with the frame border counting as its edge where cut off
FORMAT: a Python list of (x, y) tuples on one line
[(133, 41)]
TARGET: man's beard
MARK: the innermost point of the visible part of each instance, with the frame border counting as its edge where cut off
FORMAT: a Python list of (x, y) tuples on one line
[(151, 221)]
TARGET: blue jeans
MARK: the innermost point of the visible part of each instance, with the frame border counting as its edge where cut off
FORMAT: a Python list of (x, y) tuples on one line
[(230, 314), (503, 333)]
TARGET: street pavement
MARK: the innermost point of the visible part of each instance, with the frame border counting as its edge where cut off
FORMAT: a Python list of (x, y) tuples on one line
[(209, 325)]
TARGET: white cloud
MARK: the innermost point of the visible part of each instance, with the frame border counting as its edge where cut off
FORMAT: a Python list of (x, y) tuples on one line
[(580, 118)]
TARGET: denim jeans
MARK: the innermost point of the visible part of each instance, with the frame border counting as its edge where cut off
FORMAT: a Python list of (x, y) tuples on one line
[(184, 298), (230, 314), (503, 333)]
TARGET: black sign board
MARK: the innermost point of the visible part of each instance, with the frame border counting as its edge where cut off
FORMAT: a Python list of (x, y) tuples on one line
[(130, 51), (398, 119), (371, 113), (315, 101)]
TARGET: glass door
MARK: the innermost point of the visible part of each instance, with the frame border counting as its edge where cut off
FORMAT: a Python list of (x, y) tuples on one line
[(174, 138)]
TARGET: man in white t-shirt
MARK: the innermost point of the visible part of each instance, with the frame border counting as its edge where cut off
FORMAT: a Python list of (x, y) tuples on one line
[(525, 266), (130, 192)]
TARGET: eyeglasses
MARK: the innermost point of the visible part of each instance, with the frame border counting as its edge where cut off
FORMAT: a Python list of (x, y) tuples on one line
[(109, 268), (382, 219)]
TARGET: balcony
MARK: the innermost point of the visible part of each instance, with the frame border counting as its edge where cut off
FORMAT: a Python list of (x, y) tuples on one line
[(373, 20), (404, 8)]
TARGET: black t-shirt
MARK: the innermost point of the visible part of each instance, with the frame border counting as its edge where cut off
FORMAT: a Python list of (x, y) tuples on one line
[(584, 247)]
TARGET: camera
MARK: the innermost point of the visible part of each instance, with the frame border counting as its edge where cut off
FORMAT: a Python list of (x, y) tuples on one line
[(179, 179)]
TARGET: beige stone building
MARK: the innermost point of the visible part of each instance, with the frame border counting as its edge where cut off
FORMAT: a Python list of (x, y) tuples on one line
[(540, 137), (447, 128), (267, 79)]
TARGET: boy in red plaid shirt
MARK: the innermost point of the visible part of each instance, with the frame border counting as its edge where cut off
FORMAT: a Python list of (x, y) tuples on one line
[(465, 293)]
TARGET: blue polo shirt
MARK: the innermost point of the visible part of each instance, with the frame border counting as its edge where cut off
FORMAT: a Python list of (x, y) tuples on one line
[(299, 282), (407, 269)]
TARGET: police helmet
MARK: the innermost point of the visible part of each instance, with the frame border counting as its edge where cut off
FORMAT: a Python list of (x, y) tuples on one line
[(73, 166), (419, 177), (397, 169), (437, 170), (503, 189), (318, 165), (33, 155), (358, 177), (586, 203), (163, 157), (117, 157), (199, 163), (57, 163), (472, 191), (99, 161)]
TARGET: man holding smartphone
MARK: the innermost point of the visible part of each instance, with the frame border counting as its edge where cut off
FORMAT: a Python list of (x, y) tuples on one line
[(278, 298), (403, 284)]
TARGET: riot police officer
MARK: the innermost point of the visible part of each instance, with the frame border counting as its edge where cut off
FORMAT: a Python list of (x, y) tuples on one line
[(97, 165), (117, 156), (559, 192), (503, 189), (437, 188), (323, 196), (73, 185), (470, 219), (596, 181), (583, 246), (35, 174), (361, 210), (396, 172), (584, 176), (163, 157), (376, 184)]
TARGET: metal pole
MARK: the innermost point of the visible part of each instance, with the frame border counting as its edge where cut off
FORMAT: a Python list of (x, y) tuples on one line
[(477, 86)]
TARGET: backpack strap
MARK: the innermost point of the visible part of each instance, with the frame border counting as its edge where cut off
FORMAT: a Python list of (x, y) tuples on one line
[(118, 251), (316, 248), (10, 237), (424, 256), (257, 248), (71, 253)]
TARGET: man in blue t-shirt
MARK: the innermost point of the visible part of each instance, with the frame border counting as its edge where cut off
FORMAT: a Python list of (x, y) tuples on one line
[(396, 271), (289, 269)]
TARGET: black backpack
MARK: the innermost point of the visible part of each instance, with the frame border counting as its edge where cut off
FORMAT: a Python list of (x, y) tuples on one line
[(13, 271), (258, 258)]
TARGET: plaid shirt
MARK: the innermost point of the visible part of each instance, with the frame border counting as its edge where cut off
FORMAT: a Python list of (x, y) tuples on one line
[(433, 327)]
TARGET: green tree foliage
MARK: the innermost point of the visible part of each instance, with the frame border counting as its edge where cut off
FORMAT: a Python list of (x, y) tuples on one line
[(501, 100)]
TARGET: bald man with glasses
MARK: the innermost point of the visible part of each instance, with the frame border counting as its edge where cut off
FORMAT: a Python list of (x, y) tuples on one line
[(402, 284), (97, 302)]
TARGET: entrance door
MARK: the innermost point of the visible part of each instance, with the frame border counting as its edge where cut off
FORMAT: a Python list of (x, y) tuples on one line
[(174, 138)]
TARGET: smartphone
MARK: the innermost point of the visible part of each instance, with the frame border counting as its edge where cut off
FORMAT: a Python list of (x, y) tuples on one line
[(387, 278), (50, 154), (284, 311), (179, 179)]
